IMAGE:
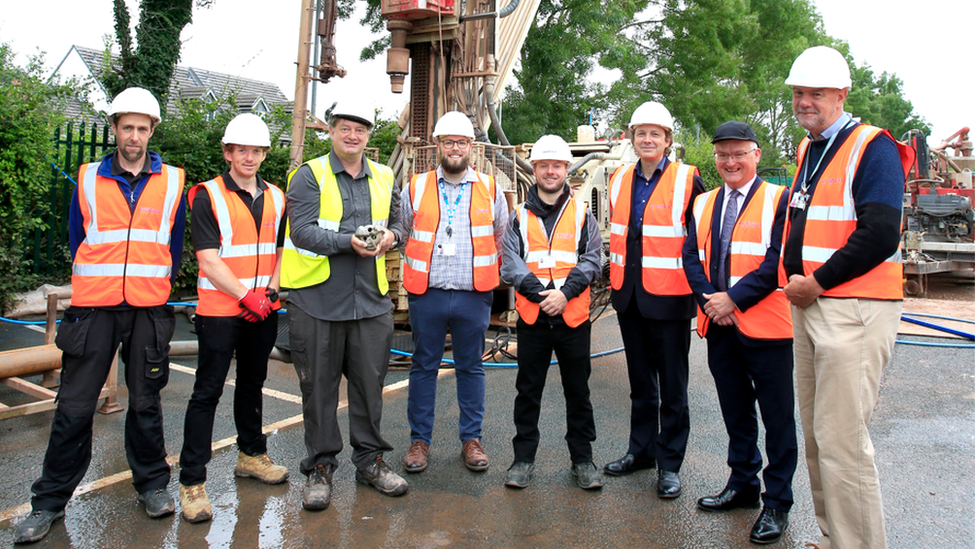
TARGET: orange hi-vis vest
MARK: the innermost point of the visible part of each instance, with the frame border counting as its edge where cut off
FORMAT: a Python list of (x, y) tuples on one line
[(831, 218), (559, 251), (249, 255), (751, 234), (125, 256), (426, 216), (663, 231)]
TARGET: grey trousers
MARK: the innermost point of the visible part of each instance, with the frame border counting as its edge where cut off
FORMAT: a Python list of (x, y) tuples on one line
[(323, 351)]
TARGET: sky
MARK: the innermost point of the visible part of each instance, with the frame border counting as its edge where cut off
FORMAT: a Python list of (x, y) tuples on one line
[(923, 44)]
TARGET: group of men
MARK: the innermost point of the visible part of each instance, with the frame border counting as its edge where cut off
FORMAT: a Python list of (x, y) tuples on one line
[(807, 276)]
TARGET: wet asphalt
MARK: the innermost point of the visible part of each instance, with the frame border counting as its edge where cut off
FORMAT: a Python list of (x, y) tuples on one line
[(923, 432)]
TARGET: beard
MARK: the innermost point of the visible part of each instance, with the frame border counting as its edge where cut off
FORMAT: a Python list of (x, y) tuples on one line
[(455, 167), (131, 157)]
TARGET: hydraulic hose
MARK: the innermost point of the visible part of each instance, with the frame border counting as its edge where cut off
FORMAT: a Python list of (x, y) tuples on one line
[(507, 10)]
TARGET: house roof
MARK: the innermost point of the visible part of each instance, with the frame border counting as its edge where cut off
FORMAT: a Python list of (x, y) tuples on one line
[(192, 83)]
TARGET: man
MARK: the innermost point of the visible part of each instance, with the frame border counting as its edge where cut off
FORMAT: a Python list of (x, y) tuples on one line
[(552, 254), (126, 235), (731, 257), (842, 274), (650, 210), (341, 319), (455, 217), (237, 223)]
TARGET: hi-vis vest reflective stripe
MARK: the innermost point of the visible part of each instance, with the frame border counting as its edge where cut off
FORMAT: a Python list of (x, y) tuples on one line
[(562, 248), (663, 230), (301, 268), (426, 216), (249, 255), (770, 318), (125, 255), (831, 218)]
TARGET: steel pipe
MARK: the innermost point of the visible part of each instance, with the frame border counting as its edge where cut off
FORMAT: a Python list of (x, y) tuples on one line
[(29, 361)]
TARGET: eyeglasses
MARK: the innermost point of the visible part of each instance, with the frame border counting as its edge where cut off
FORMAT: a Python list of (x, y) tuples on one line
[(738, 157), (450, 144)]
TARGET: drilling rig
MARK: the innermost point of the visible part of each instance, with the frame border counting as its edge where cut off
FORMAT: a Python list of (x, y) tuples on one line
[(460, 56)]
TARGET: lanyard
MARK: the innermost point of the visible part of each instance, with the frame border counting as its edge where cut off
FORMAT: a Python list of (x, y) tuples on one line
[(450, 210), (807, 174)]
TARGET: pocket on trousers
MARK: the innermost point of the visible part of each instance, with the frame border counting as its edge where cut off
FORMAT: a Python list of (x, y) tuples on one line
[(157, 357), (73, 331)]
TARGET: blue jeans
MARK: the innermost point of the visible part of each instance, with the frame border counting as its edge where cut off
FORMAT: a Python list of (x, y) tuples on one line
[(432, 314)]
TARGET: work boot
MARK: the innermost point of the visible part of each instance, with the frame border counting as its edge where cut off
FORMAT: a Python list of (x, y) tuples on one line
[(35, 526), (158, 502), (520, 474), (379, 475), (318, 487), (260, 467), (195, 503), (586, 475)]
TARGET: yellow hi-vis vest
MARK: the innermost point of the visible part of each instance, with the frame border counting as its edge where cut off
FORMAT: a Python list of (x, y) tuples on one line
[(302, 268)]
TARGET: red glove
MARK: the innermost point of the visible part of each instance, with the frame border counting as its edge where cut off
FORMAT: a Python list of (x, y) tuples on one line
[(256, 307)]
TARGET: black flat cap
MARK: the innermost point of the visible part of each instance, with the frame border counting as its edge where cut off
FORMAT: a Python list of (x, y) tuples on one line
[(733, 129)]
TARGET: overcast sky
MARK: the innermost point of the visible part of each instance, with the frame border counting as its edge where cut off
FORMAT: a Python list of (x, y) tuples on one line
[(925, 44)]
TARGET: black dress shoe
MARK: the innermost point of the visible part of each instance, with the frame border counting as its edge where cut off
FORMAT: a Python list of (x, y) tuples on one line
[(627, 465), (668, 484), (729, 499), (770, 526)]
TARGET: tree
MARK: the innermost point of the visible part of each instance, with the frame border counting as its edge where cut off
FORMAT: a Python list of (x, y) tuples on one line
[(562, 49), (151, 64), (879, 101), (30, 110)]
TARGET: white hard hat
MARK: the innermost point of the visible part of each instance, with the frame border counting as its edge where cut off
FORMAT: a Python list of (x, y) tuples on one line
[(135, 100), (355, 111), (652, 112), (454, 123), (551, 147), (820, 67), (247, 129)]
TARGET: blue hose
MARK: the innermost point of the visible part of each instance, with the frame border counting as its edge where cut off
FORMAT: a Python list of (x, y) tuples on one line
[(939, 328)]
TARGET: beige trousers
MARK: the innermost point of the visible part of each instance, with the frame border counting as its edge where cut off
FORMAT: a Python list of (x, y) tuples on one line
[(840, 347)]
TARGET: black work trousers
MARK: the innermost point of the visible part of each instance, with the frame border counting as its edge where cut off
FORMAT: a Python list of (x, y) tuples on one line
[(657, 365), (89, 338), (220, 338), (536, 343)]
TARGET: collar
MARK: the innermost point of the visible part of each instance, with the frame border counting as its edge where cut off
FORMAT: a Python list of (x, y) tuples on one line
[(234, 187), (842, 120), (338, 167), (118, 170), (469, 177), (659, 168), (743, 190)]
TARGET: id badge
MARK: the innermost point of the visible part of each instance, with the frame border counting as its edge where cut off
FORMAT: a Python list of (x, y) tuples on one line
[(547, 262), (799, 200), (449, 249)]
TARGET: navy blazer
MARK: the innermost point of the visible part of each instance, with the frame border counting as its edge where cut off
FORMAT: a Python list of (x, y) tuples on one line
[(753, 287)]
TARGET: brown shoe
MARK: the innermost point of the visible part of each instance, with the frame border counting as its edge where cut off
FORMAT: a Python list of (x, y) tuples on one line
[(416, 459), (474, 455)]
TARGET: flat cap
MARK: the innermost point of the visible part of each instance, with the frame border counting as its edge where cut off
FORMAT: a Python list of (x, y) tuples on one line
[(733, 129)]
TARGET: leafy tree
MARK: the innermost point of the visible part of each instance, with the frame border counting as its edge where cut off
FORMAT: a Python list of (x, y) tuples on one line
[(879, 101), (30, 110), (561, 50), (151, 63)]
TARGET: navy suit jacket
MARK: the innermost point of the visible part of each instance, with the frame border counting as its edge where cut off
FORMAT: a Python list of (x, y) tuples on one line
[(753, 287)]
